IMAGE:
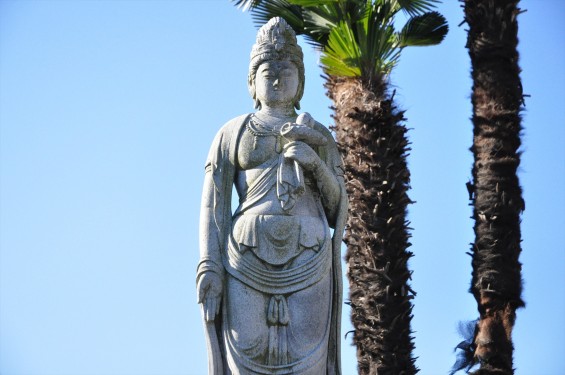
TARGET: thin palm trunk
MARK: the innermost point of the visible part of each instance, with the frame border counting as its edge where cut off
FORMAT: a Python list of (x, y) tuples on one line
[(497, 196), (372, 139)]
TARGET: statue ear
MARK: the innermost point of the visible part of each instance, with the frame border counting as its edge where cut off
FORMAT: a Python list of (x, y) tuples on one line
[(299, 93), (252, 92), (251, 86)]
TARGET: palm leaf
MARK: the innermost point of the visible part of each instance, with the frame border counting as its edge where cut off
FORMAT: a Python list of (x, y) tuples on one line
[(320, 16), (417, 7), (245, 5), (313, 23), (356, 36), (312, 3), (377, 43), (382, 53), (384, 10), (357, 10), (365, 48), (423, 30), (341, 55), (331, 12), (263, 11), (319, 21)]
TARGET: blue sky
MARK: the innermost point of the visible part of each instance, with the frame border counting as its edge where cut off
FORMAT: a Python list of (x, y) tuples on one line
[(107, 110)]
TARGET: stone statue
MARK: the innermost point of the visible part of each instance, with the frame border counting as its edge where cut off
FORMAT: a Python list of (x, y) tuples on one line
[(269, 277)]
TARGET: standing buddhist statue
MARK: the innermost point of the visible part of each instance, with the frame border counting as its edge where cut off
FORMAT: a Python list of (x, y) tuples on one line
[(269, 277)]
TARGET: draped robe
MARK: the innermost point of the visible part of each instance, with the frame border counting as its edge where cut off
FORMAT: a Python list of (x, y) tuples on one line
[(273, 267)]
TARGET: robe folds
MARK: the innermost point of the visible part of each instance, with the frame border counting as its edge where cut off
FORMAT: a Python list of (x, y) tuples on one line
[(286, 282)]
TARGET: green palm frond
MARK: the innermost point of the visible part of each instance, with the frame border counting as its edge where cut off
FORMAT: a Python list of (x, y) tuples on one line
[(385, 55), (246, 4), (263, 11), (384, 10), (341, 55), (344, 9), (377, 44), (321, 16), (417, 7), (314, 23), (357, 37), (313, 3), (423, 30), (319, 21)]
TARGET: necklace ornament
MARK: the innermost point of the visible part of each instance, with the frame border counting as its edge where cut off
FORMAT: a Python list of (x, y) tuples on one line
[(260, 129)]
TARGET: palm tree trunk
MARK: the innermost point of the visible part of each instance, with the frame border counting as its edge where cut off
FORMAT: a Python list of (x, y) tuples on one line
[(497, 196), (372, 140)]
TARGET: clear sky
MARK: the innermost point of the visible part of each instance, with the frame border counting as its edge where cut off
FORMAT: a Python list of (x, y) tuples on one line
[(107, 110)]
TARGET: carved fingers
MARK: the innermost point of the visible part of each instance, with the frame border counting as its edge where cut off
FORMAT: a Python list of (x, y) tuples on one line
[(209, 294), (303, 154), (211, 308)]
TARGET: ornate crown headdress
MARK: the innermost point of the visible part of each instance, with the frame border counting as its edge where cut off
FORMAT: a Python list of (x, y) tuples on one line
[(277, 40)]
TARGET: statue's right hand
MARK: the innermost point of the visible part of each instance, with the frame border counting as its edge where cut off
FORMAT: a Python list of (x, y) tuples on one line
[(209, 294)]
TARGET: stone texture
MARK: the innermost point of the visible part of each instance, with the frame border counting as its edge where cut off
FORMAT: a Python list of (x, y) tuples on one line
[(269, 277)]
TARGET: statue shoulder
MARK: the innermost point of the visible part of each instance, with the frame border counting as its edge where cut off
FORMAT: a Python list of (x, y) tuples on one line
[(325, 131), (229, 130), (232, 125), (226, 137), (330, 152)]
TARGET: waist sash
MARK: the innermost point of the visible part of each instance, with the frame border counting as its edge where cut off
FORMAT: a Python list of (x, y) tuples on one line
[(277, 281)]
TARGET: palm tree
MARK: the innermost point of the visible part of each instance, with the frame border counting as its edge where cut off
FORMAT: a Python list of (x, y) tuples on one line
[(360, 47), (495, 191)]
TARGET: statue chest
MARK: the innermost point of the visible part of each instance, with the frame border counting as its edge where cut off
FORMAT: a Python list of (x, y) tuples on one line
[(255, 150)]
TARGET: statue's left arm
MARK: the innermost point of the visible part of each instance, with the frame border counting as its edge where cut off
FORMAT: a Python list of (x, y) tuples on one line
[(333, 198), (326, 174), (210, 272)]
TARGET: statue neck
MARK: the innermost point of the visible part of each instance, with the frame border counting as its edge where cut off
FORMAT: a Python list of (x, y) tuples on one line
[(277, 113)]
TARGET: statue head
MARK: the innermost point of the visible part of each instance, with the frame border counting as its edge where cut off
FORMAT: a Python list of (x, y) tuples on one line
[(276, 41)]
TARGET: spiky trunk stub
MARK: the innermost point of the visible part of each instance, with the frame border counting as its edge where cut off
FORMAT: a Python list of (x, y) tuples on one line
[(497, 196), (372, 140)]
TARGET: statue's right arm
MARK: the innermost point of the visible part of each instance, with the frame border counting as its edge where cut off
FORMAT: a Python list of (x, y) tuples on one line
[(210, 273)]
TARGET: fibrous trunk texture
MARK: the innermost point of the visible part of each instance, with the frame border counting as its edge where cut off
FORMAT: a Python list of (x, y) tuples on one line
[(496, 193), (372, 140)]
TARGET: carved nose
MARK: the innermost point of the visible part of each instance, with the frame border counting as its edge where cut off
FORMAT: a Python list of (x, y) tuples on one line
[(276, 83)]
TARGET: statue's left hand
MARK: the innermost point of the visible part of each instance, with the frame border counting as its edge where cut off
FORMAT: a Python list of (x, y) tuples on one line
[(209, 294), (303, 154)]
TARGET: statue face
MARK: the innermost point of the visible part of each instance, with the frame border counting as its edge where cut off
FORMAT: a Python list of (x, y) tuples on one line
[(276, 83)]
